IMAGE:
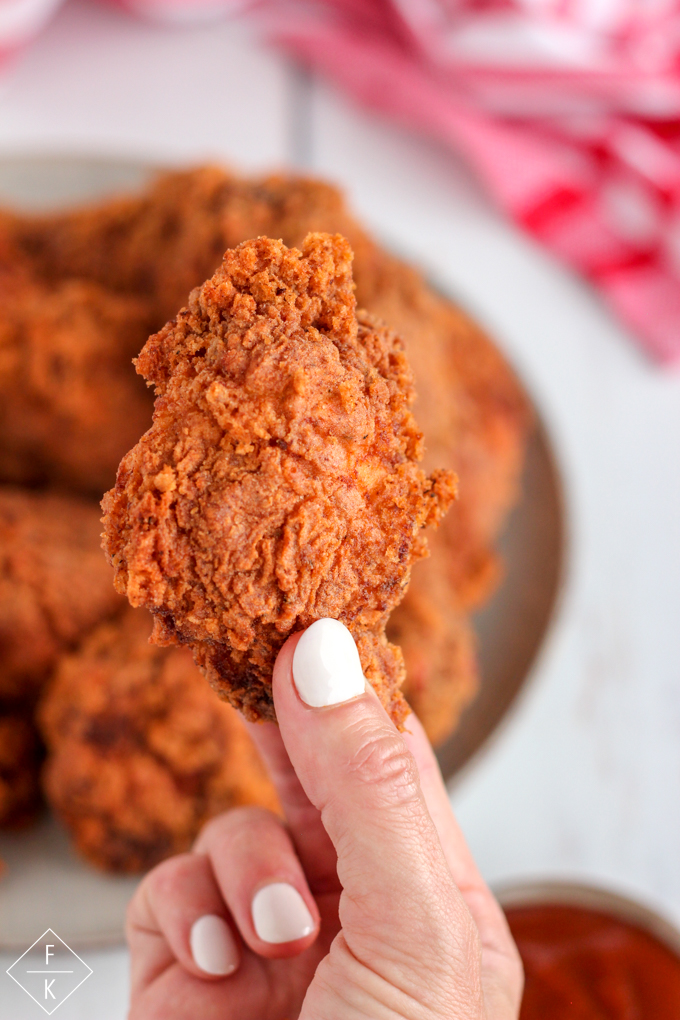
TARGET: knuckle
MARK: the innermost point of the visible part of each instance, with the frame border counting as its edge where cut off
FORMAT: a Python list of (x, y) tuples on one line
[(225, 827), (209, 834), (231, 836), (135, 908), (166, 877), (162, 882), (249, 816), (387, 768)]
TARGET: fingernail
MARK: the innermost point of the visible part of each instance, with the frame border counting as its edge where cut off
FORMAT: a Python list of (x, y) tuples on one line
[(326, 665), (212, 945), (280, 914)]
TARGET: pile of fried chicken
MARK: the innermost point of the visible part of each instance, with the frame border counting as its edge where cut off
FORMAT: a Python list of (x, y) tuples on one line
[(331, 437)]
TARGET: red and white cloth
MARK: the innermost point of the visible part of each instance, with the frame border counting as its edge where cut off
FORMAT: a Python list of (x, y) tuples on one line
[(568, 110), (20, 20)]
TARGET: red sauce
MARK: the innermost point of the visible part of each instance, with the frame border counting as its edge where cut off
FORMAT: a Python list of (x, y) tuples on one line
[(583, 965)]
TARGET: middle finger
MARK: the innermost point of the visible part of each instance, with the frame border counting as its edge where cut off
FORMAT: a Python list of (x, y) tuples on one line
[(262, 881)]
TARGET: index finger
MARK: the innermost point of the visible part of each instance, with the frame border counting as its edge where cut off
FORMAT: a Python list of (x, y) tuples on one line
[(312, 843)]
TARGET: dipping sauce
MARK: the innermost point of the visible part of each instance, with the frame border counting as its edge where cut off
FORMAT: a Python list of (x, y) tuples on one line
[(583, 965)]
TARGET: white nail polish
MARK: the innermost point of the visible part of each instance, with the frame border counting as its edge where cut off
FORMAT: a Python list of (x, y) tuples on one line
[(326, 665), (280, 914), (212, 945)]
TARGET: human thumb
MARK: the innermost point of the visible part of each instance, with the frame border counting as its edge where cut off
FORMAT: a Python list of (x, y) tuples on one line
[(399, 900)]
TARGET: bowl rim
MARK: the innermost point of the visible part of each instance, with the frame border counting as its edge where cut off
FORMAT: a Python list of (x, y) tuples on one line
[(589, 895)]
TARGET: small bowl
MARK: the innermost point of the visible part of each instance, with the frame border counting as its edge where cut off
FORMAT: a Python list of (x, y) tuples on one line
[(590, 897)]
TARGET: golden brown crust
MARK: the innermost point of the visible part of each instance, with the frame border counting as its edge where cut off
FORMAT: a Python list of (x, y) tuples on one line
[(54, 584), (141, 753), (279, 483), (438, 644), (159, 243), (70, 404), (20, 759), (474, 418)]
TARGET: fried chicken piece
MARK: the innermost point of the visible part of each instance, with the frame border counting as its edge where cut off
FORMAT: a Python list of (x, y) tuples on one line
[(474, 416), (469, 405), (70, 402), (54, 584), (438, 644), (20, 760), (279, 482), (159, 243), (141, 753), (170, 237)]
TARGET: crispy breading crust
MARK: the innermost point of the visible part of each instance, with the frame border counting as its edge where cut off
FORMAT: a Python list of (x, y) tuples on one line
[(438, 645), (70, 405), (54, 584), (141, 753), (20, 760), (279, 483)]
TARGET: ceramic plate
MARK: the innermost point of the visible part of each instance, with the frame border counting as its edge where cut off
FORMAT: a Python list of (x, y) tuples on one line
[(46, 885)]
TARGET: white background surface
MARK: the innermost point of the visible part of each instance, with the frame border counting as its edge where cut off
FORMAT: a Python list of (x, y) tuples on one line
[(585, 777)]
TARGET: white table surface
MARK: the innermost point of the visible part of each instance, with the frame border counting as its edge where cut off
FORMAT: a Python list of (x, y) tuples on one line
[(584, 778)]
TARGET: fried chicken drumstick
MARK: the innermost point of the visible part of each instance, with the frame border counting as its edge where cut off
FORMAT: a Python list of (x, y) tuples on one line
[(279, 483)]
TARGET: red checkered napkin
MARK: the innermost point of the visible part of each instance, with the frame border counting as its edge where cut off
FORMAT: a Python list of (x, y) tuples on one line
[(569, 110)]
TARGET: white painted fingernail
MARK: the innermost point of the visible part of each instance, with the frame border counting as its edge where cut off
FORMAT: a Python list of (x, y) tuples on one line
[(326, 665), (280, 914), (213, 946)]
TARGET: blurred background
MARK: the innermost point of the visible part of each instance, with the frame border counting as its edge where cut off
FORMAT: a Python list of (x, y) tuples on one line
[(530, 168)]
